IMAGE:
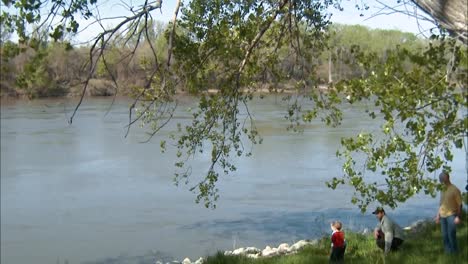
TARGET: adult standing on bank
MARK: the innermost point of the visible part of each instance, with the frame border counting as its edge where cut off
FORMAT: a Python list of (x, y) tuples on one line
[(449, 214)]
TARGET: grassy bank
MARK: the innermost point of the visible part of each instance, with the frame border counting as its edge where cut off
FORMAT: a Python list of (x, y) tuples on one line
[(423, 247)]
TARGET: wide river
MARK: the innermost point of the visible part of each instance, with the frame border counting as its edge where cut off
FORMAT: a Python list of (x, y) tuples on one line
[(84, 193)]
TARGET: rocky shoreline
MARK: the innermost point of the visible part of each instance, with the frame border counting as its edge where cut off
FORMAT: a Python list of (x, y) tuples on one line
[(253, 252), (286, 249)]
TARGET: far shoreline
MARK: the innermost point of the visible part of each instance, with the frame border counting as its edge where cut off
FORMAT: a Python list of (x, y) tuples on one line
[(266, 89)]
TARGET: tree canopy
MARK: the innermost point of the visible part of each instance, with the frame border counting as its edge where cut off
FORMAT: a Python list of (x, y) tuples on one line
[(238, 47)]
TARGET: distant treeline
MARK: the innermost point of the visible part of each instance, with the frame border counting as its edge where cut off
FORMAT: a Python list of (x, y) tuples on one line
[(46, 69)]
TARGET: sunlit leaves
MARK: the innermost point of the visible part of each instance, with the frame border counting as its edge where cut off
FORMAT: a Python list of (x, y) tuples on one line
[(422, 103), (61, 18), (230, 48), (215, 126)]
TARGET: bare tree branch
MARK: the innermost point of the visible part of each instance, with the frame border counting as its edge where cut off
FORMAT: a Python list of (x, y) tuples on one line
[(171, 36), (103, 38)]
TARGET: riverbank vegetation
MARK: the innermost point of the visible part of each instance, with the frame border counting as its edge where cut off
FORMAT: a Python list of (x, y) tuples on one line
[(422, 247), (51, 68)]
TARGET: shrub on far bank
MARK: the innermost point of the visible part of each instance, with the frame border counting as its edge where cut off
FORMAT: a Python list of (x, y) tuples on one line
[(100, 87)]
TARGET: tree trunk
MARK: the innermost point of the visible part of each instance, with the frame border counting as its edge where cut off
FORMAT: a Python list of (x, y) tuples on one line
[(330, 78), (449, 14)]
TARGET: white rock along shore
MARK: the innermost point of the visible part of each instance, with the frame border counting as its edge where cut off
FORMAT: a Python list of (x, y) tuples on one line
[(253, 252)]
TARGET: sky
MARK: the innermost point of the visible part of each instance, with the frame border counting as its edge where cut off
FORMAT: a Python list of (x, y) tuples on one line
[(388, 19), (351, 15)]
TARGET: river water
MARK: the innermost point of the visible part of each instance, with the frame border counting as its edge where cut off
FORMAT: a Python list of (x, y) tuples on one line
[(83, 193)]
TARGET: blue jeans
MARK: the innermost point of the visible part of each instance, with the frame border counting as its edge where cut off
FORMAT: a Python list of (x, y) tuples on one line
[(449, 234)]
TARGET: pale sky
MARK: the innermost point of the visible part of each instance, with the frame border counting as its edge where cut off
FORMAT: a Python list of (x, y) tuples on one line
[(389, 19), (350, 15)]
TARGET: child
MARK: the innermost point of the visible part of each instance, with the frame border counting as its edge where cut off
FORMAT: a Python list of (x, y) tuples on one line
[(338, 243)]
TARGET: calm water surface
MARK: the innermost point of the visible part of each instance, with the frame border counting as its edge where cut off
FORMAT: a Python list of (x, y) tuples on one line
[(84, 193)]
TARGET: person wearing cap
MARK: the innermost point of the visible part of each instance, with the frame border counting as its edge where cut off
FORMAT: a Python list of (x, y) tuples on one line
[(449, 214), (388, 235)]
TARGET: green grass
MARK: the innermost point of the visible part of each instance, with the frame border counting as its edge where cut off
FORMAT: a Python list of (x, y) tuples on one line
[(425, 247)]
